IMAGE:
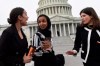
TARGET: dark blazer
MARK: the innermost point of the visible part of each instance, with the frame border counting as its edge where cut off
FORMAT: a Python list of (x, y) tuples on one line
[(87, 38), (12, 47)]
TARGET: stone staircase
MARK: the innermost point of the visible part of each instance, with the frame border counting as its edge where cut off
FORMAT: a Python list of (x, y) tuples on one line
[(62, 44)]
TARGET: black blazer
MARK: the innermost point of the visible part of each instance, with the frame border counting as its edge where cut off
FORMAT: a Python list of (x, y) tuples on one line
[(86, 38), (12, 47)]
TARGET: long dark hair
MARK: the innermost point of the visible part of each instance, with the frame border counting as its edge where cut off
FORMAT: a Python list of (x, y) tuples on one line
[(91, 12), (46, 32), (15, 12)]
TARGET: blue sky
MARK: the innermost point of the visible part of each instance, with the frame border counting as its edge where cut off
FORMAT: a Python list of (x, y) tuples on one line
[(31, 5)]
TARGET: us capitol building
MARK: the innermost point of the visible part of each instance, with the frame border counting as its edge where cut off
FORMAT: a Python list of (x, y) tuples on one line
[(60, 13)]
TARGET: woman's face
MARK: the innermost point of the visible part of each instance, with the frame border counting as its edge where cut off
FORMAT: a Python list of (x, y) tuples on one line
[(24, 18), (86, 19), (42, 22)]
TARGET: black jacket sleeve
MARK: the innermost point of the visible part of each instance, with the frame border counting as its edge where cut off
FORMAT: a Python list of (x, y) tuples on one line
[(77, 43)]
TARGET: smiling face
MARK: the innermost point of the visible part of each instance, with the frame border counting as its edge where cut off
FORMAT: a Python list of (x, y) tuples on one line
[(86, 19), (23, 18), (42, 22)]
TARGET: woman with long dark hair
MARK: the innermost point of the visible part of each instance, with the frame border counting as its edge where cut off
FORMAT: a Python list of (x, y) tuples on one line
[(88, 38), (13, 42)]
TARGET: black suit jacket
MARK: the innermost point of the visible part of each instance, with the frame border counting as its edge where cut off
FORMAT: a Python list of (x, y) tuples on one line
[(86, 38), (12, 47)]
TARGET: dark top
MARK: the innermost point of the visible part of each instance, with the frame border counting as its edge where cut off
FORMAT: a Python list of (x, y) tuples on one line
[(87, 37), (47, 59), (12, 47), (40, 57)]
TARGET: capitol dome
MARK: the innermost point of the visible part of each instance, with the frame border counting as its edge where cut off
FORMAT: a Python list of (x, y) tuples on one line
[(54, 7)]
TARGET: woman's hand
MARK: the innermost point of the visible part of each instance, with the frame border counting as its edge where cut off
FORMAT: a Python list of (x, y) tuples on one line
[(46, 45), (27, 59), (71, 52)]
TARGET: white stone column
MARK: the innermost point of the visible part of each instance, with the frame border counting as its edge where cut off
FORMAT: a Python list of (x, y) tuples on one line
[(75, 25), (46, 11), (35, 28), (59, 9), (56, 30), (73, 29), (52, 11), (31, 34), (68, 29), (52, 31), (68, 11), (55, 10), (64, 29), (71, 11), (32, 31), (40, 11), (43, 11), (60, 29), (63, 10), (49, 11)]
